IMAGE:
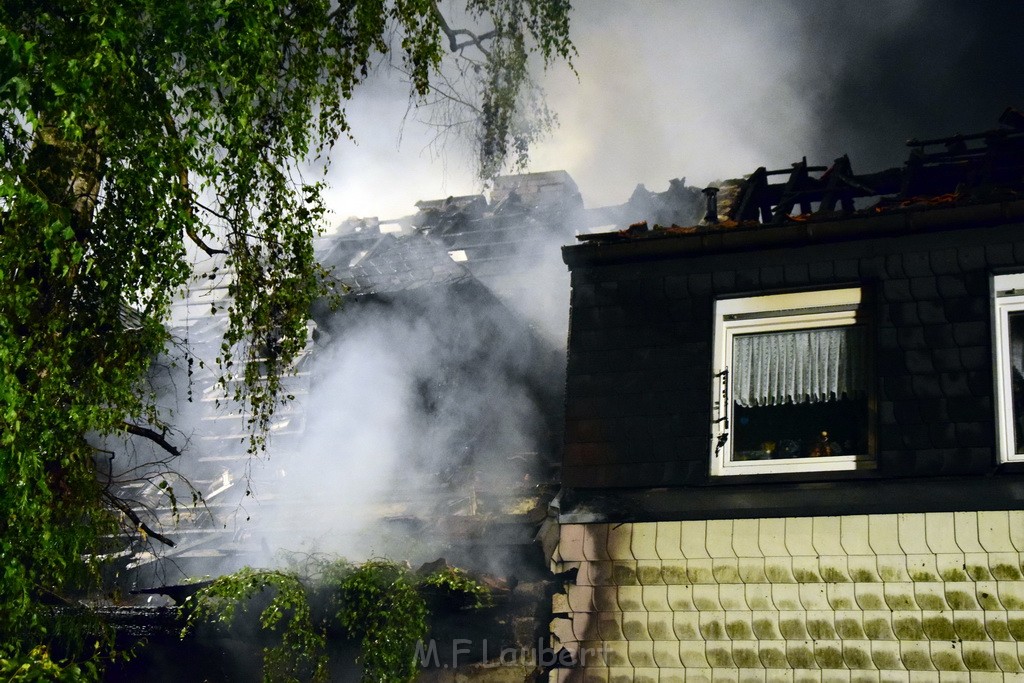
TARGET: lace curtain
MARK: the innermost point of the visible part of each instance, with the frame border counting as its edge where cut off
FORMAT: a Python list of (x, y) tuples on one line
[(1016, 321), (803, 366)]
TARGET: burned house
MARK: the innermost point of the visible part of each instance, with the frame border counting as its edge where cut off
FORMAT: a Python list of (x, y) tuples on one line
[(793, 432)]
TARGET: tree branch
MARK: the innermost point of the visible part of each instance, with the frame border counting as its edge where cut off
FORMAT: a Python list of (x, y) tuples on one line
[(189, 229), (208, 210), (172, 130), (453, 35), (183, 182), (139, 524), (153, 436), (446, 91), (194, 236)]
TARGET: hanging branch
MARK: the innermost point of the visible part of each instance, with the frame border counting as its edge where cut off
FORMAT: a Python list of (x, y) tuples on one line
[(136, 520), (153, 436), (190, 230)]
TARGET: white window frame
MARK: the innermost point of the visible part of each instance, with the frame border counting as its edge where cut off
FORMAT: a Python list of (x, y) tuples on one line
[(773, 313), (1007, 298)]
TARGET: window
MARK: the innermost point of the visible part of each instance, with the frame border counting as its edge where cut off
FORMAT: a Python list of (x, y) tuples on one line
[(1008, 338), (791, 390)]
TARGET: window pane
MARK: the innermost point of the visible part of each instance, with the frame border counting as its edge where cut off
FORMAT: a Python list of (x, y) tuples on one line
[(796, 430), (1016, 320), (799, 394)]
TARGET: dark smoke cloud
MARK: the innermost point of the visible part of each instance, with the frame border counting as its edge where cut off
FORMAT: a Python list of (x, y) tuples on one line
[(883, 72), (715, 89)]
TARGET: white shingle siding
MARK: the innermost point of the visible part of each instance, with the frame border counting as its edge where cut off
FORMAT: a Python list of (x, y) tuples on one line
[(926, 596)]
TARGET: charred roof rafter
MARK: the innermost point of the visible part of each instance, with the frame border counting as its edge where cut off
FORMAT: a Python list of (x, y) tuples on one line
[(980, 167)]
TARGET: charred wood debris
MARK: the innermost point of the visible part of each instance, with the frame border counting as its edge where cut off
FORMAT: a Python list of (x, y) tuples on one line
[(957, 170)]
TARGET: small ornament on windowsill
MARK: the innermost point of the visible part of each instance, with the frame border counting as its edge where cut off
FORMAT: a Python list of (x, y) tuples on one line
[(823, 448), (788, 448)]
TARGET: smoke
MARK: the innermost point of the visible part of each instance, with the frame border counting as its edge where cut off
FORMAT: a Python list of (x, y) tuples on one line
[(419, 399), (425, 411), (920, 69), (344, 461), (712, 90)]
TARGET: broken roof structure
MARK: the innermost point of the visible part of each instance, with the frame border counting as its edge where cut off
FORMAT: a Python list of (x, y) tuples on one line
[(461, 265), (451, 292), (960, 171)]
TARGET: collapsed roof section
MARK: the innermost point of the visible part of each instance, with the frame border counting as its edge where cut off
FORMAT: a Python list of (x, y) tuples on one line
[(379, 264), (495, 241), (451, 269)]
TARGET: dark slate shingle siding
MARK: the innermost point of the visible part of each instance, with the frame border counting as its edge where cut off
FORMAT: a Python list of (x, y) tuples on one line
[(639, 382)]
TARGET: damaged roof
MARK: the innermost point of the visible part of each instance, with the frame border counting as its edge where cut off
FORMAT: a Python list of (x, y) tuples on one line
[(944, 180), (395, 264), (386, 263)]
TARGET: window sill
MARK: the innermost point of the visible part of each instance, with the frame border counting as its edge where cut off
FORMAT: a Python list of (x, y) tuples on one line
[(819, 465)]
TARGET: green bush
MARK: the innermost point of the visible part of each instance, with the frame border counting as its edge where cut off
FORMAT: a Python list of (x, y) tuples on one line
[(382, 604)]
